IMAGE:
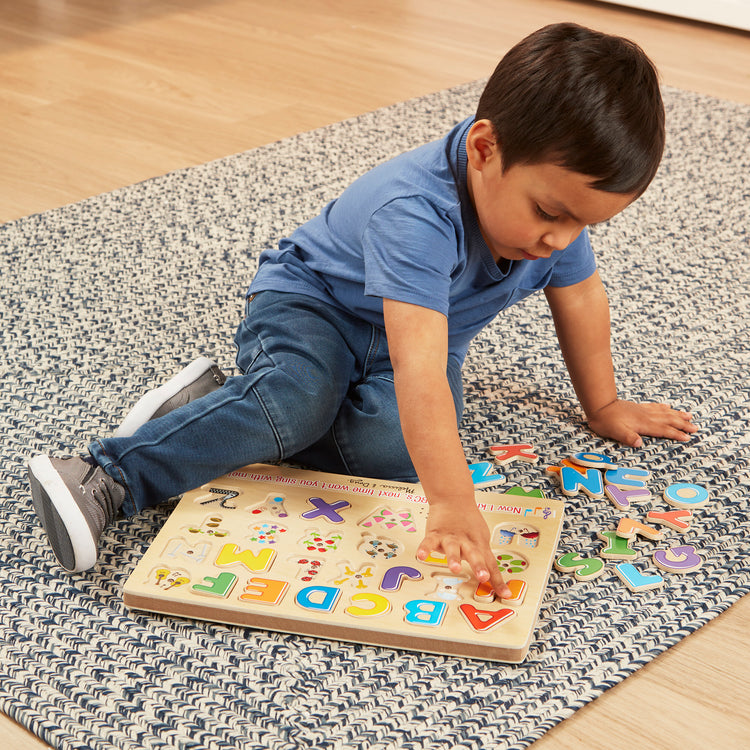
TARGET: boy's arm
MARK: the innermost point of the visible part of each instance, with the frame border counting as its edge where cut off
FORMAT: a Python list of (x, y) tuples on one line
[(418, 345), (581, 315)]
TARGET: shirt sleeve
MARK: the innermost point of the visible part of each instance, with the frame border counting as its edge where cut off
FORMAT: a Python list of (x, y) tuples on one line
[(410, 252)]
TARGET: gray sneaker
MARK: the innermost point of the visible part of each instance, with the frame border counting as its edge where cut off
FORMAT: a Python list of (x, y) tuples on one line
[(197, 379), (74, 499)]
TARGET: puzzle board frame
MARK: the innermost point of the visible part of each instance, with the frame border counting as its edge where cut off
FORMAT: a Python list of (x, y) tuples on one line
[(232, 551)]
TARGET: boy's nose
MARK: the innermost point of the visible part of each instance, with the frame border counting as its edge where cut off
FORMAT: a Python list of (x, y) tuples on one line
[(560, 238)]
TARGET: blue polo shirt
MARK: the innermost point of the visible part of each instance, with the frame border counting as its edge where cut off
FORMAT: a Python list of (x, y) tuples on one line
[(407, 231)]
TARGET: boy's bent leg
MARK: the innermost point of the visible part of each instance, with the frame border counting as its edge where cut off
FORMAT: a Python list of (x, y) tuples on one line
[(366, 438), (297, 369)]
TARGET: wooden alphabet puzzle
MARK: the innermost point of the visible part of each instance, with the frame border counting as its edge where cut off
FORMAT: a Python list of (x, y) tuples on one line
[(335, 557)]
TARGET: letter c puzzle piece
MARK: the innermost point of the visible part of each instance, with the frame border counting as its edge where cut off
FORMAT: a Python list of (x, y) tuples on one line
[(379, 605)]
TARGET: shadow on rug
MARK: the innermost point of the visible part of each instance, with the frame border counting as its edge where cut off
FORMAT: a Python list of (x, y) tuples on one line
[(105, 298)]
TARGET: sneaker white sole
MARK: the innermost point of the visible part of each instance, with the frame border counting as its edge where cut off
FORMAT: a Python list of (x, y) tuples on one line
[(74, 522), (150, 402)]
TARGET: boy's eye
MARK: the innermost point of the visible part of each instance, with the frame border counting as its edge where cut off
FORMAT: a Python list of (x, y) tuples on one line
[(544, 215)]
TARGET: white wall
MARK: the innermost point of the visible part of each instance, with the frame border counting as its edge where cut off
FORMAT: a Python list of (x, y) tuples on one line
[(734, 13)]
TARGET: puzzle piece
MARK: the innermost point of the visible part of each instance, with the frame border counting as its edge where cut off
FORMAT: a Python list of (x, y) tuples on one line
[(680, 559), (327, 510), (572, 481), (519, 451), (622, 498), (482, 476), (582, 568), (618, 547), (395, 576), (635, 580), (593, 460), (684, 495), (678, 519), (630, 527)]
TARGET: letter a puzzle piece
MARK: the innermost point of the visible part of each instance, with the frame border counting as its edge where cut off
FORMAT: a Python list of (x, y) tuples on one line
[(483, 620)]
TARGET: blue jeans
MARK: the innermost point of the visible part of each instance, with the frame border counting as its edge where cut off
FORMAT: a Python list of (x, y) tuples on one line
[(317, 388)]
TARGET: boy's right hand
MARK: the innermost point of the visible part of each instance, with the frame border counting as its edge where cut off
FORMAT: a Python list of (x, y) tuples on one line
[(459, 531), (418, 346)]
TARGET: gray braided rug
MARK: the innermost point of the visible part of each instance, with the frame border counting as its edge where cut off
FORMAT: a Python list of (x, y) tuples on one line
[(105, 298)]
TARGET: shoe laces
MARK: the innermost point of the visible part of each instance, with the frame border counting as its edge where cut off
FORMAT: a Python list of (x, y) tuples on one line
[(100, 489)]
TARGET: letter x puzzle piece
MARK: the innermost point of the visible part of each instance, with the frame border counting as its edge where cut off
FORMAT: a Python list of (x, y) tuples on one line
[(328, 510)]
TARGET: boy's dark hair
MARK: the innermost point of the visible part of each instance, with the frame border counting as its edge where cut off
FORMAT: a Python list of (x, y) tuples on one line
[(584, 100)]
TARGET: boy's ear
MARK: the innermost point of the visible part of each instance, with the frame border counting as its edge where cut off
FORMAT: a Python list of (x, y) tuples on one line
[(481, 144)]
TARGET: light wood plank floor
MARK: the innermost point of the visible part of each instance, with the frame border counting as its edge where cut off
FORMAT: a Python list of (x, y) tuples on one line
[(94, 96)]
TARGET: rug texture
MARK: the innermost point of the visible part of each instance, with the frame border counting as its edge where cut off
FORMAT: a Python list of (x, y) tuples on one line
[(106, 298)]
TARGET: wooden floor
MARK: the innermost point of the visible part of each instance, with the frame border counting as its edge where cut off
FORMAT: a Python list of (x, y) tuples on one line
[(96, 95)]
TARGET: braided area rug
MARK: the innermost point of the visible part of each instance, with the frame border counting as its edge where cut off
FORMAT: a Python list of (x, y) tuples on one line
[(106, 298)]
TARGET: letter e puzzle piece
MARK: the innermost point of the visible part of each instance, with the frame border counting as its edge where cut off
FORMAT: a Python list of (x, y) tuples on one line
[(340, 565)]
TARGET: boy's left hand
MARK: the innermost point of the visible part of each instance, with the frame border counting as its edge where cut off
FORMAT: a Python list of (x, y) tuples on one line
[(627, 421)]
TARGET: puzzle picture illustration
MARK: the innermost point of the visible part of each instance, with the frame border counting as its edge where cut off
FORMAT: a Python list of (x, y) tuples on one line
[(335, 557)]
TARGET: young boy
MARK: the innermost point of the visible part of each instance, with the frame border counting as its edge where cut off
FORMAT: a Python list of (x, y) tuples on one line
[(357, 325)]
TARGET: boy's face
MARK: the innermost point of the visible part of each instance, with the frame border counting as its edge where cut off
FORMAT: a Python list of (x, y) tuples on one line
[(529, 211)]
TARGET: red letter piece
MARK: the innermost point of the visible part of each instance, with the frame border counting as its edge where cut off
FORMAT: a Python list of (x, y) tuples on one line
[(483, 620), (521, 451)]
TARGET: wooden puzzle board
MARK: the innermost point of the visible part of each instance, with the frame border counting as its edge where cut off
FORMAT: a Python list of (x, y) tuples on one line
[(335, 557)]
